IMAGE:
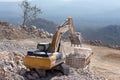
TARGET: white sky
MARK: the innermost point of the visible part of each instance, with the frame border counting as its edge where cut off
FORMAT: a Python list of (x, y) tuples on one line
[(68, 0)]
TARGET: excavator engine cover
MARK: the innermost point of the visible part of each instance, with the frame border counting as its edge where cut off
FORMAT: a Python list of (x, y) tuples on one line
[(38, 53)]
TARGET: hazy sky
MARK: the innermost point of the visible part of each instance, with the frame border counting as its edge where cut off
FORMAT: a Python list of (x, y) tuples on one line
[(82, 7), (72, 7), (12, 0), (85, 10)]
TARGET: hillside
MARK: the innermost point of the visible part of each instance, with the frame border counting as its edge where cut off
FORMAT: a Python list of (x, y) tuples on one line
[(43, 24), (108, 35)]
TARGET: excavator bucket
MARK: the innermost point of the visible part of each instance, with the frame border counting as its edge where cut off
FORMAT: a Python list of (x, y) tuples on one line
[(76, 39)]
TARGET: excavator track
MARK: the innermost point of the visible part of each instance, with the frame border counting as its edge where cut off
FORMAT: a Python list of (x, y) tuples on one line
[(63, 68), (40, 72)]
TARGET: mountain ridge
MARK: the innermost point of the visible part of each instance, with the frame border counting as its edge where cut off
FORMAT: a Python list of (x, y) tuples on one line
[(43, 24), (108, 35)]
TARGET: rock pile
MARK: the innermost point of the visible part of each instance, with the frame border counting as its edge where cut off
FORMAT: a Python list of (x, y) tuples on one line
[(11, 65), (32, 31), (9, 31), (95, 43), (99, 43)]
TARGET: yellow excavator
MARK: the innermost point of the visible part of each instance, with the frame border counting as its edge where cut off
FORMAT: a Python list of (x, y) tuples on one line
[(48, 55)]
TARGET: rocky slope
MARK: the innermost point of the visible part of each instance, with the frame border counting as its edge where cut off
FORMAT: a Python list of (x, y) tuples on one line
[(44, 24), (9, 31)]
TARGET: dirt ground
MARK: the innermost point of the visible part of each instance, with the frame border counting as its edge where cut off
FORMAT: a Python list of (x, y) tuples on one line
[(105, 61)]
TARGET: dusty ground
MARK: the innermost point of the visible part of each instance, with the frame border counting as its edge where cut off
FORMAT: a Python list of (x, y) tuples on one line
[(105, 61), (21, 46)]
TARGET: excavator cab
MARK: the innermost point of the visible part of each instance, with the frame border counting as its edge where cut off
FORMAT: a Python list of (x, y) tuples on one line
[(42, 50), (43, 47)]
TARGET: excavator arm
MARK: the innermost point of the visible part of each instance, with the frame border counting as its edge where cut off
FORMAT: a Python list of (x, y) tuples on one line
[(66, 26)]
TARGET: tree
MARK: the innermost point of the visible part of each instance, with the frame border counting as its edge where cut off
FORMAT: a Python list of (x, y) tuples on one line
[(29, 12)]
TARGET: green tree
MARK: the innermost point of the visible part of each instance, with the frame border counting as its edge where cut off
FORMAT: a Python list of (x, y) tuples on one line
[(29, 12)]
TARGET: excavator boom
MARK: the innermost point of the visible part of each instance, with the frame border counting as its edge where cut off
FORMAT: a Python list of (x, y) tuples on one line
[(66, 26)]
